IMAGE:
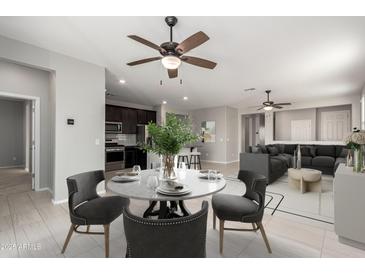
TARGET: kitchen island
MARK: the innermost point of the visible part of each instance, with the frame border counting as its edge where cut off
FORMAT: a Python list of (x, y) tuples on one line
[(349, 192)]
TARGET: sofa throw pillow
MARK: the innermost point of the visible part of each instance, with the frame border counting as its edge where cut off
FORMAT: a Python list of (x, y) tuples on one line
[(264, 149), (289, 149), (273, 150), (256, 149), (326, 151), (306, 151), (313, 150)]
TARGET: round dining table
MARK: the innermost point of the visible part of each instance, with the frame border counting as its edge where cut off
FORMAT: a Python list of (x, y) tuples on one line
[(140, 190)]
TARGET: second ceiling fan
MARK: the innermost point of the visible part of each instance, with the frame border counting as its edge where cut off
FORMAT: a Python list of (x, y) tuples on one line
[(269, 105), (172, 53)]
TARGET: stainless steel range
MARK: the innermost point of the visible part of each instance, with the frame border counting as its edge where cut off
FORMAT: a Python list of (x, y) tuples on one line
[(114, 156)]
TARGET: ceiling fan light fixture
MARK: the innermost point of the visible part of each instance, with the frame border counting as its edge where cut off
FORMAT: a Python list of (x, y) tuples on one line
[(268, 108), (171, 62)]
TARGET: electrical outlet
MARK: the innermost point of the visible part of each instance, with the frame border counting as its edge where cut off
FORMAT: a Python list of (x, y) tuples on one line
[(14, 158), (206, 154)]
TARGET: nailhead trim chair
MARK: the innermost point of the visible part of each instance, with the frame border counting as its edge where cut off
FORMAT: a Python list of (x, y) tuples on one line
[(87, 208), (248, 208), (183, 237)]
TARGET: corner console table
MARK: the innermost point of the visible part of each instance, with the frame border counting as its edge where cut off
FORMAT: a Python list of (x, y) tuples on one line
[(349, 198)]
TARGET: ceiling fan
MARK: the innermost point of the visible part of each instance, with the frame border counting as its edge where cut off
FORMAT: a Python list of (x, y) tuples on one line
[(173, 53), (269, 105)]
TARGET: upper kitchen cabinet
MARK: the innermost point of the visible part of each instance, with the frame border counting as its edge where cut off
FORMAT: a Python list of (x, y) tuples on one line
[(129, 117), (141, 116), (113, 113), (129, 121), (150, 116)]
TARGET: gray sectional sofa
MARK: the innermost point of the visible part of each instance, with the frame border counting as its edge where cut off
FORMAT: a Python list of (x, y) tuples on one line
[(274, 160)]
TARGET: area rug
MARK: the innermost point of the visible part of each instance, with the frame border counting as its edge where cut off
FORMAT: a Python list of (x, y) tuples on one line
[(283, 198)]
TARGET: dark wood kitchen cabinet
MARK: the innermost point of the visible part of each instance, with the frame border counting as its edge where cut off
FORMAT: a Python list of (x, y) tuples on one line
[(150, 116), (129, 120), (129, 117), (135, 156), (113, 114), (141, 116)]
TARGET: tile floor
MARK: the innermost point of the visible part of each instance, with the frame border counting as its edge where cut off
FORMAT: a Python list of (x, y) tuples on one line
[(31, 226)]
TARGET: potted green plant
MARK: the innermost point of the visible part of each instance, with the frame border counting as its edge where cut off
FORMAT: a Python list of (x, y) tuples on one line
[(356, 141), (167, 140)]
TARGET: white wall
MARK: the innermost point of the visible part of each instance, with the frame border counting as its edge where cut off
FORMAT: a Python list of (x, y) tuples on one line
[(12, 145), (77, 90), (232, 135), (283, 120), (225, 148), (363, 109), (165, 108)]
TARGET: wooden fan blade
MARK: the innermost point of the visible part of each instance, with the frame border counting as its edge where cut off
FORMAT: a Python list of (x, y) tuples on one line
[(283, 104), (142, 61), (192, 42), (146, 42), (172, 73), (276, 106), (260, 108), (198, 62)]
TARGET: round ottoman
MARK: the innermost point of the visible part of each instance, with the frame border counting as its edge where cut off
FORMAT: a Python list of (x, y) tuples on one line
[(305, 179)]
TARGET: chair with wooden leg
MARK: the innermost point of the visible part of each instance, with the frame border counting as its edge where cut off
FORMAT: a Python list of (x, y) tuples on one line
[(248, 208), (87, 208)]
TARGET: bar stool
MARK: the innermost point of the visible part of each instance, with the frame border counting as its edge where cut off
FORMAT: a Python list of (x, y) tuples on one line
[(183, 156), (195, 160)]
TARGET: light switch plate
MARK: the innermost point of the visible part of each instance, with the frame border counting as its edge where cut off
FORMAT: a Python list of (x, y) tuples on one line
[(97, 141)]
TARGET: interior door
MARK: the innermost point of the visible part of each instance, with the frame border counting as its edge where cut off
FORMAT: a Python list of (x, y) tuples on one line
[(301, 130), (335, 125), (32, 127)]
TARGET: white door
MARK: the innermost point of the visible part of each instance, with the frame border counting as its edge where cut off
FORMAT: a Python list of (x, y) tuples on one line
[(301, 130), (33, 145), (335, 125)]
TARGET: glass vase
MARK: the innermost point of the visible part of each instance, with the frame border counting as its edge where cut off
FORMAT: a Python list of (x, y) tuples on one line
[(358, 159), (168, 168)]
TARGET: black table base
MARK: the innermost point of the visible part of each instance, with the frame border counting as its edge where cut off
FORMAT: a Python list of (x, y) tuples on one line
[(166, 211)]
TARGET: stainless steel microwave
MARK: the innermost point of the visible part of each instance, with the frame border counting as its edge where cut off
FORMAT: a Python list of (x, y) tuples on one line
[(113, 127)]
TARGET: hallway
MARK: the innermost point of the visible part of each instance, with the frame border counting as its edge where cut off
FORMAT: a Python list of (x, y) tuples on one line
[(14, 180)]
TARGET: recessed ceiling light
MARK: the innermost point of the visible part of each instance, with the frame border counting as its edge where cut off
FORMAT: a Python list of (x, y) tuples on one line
[(185, 98), (122, 81), (164, 102)]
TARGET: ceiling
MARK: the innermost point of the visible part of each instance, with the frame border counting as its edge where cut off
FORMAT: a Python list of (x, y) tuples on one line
[(297, 57)]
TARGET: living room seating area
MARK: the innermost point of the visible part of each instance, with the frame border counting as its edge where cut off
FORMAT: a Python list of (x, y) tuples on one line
[(274, 160)]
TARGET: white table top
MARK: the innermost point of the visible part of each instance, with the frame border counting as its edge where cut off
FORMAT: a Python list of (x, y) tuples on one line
[(139, 189)]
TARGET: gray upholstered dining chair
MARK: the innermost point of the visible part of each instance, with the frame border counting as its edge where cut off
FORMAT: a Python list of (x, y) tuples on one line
[(248, 208), (87, 208), (183, 237)]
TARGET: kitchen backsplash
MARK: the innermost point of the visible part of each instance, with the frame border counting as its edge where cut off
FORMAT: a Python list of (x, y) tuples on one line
[(127, 139), (123, 139)]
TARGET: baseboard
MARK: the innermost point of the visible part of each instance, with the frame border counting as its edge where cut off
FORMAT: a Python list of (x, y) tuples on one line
[(45, 189), (16, 166), (235, 161), (66, 200), (219, 162)]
